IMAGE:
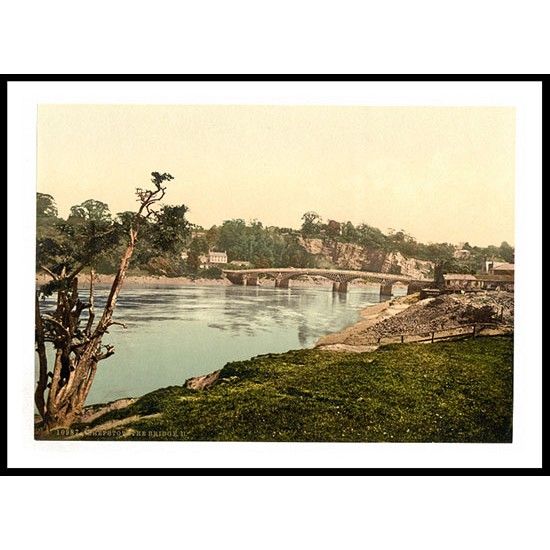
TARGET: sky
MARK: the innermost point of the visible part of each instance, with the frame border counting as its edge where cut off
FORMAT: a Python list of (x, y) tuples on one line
[(441, 174)]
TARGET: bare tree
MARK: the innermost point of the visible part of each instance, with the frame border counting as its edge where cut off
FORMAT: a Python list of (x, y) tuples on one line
[(62, 390)]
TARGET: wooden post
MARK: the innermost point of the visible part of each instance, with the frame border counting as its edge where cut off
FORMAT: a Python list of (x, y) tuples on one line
[(402, 338), (433, 334)]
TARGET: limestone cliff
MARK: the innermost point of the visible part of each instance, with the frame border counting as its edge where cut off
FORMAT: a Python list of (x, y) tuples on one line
[(357, 257)]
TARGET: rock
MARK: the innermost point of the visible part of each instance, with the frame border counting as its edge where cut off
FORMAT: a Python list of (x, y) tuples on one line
[(201, 382), (356, 257)]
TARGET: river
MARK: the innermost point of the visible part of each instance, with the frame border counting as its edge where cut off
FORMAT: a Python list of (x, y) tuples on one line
[(175, 333)]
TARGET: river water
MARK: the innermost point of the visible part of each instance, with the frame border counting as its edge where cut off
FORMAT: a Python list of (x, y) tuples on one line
[(177, 332)]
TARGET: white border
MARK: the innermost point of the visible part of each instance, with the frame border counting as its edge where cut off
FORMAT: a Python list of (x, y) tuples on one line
[(526, 451)]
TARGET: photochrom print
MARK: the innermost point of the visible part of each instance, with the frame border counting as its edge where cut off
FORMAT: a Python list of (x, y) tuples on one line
[(274, 273)]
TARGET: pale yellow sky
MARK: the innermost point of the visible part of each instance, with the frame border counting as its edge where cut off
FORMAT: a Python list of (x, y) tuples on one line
[(442, 174)]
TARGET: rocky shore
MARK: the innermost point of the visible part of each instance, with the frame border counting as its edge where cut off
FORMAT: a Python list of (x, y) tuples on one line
[(492, 312)]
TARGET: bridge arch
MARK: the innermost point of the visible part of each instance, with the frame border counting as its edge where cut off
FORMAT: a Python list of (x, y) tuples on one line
[(339, 278)]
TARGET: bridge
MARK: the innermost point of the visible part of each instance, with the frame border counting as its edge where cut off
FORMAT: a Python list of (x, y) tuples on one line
[(340, 278)]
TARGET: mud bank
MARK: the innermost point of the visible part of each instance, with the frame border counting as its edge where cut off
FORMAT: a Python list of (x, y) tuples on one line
[(407, 316)]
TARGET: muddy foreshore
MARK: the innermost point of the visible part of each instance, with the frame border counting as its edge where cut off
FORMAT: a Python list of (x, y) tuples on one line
[(492, 312)]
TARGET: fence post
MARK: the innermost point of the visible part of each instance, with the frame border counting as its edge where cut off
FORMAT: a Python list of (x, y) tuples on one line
[(433, 334), (402, 338)]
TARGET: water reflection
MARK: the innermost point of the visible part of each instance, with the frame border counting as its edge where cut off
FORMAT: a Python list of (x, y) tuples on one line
[(340, 297), (175, 333)]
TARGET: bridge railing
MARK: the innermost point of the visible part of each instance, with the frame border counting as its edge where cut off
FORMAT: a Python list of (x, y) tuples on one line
[(377, 276)]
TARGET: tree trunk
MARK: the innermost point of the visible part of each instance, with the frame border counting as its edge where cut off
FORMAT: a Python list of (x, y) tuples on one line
[(79, 352), (109, 309), (67, 396), (42, 361)]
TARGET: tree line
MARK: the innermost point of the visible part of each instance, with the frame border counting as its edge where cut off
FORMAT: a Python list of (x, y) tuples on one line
[(91, 232), (172, 246)]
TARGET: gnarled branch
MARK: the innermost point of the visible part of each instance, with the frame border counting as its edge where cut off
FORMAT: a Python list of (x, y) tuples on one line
[(50, 273), (123, 325)]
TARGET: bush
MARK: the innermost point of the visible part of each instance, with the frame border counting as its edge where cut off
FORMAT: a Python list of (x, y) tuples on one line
[(212, 273)]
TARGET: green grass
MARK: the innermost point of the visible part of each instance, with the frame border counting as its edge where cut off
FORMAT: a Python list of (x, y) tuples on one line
[(444, 392)]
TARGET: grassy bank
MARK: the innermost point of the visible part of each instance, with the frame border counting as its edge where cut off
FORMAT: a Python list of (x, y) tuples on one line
[(457, 391)]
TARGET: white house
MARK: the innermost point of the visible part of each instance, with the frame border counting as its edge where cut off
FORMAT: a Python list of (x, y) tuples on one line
[(216, 258)]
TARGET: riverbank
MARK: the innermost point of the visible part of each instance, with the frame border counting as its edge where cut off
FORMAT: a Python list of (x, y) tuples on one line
[(413, 319), (454, 391), (102, 280)]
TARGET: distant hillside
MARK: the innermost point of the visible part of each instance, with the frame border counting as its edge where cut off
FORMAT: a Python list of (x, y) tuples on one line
[(332, 253)]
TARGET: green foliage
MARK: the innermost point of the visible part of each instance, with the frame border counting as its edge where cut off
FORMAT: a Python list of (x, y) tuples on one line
[(162, 266), (212, 273), (263, 247), (311, 224), (444, 392), (370, 237), (506, 252), (158, 179), (91, 236), (197, 248), (333, 229), (170, 230), (46, 209), (91, 210), (349, 233), (212, 237)]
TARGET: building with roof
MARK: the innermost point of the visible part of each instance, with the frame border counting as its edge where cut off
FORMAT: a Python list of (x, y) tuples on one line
[(485, 281), (498, 267), (217, 258), (461, 281), (503, 268), (490, 281)]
